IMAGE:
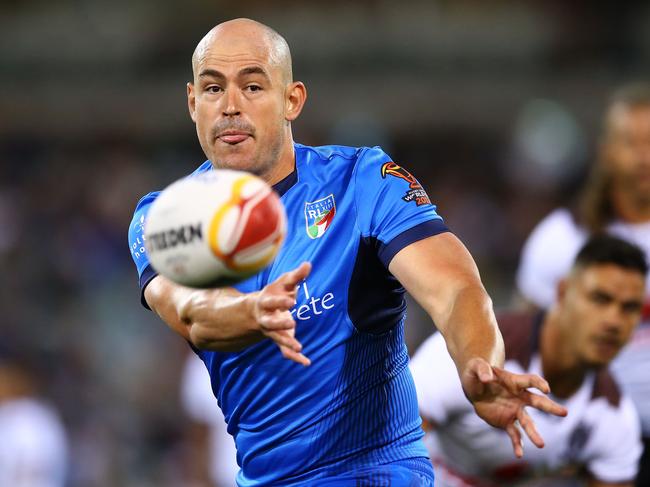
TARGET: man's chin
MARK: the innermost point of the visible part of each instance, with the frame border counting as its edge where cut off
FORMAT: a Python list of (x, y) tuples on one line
[(601, 361), (236, 164)]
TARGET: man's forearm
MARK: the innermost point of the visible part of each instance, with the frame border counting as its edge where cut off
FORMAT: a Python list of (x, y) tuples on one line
[(441, 275), (215, 319), (470, 328)]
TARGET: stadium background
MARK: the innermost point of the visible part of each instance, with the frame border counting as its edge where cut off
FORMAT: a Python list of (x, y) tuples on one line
[(495, 106)]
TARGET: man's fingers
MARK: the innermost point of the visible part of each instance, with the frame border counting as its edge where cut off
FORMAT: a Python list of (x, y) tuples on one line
[(528, 425), (292, 278), (295, 356), (515, 382), (526, 381), (271, 303), (484, 372), (277, 321), (543, 403), (284, 339), (481, 369), (289, 346), (515, 438)]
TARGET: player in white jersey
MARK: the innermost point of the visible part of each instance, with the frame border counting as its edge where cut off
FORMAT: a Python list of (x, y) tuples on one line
[(33, 445), (616, 199), (599, 304), (212, 449)]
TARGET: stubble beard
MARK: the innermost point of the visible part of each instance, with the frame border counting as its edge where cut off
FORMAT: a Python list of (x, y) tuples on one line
[(264, 161)]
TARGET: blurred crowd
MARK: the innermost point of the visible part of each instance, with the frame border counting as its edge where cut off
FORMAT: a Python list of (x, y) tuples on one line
[(498, 141)]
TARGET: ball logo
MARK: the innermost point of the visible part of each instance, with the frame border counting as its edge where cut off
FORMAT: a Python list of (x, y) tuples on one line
[(175, 236), (319, 215)]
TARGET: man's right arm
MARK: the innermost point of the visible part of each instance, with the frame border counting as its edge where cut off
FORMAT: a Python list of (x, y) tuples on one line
[(227, 320)]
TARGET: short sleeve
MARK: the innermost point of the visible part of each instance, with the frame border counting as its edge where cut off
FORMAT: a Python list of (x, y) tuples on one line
[(439, 391), (547, 256), (617, 445), (136, 243), (392, 206)]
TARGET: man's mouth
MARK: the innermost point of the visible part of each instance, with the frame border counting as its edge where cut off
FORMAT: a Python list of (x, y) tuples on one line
[(608, 344), (233, 137)]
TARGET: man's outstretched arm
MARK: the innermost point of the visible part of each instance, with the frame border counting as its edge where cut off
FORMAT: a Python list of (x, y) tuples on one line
[(441, 275), (227, 320)]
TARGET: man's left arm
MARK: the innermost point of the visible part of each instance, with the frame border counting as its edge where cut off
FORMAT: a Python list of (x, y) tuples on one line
[(441, 275)]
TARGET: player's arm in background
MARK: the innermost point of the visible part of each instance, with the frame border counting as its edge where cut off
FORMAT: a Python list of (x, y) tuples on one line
[(222, 319)]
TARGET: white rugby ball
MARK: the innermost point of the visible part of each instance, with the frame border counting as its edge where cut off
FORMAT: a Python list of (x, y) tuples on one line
[(214, 229)]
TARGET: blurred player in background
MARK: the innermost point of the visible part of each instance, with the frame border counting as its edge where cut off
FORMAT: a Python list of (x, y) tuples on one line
[(212, 454), (33, 444), (359, 228), (616, 200), (598, 306)]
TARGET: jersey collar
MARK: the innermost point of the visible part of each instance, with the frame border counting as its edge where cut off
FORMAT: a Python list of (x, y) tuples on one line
[(285, 184)]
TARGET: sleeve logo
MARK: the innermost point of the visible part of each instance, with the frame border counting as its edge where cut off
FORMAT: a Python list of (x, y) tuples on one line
[(415, 192), (319, 215)]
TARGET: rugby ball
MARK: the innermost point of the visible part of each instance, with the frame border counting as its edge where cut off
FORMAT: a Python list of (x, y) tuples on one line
[(214, 229)]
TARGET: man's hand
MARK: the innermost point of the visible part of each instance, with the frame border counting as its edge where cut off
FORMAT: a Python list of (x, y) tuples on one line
[(500, 397), (272, 312)]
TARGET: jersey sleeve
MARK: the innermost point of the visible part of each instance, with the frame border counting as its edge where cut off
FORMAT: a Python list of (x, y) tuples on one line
[(392, 206), (439, 391), (136, 243), (618, 446)]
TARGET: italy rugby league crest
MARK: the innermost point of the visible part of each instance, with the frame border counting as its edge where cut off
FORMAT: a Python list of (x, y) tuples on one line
[(319, 215)]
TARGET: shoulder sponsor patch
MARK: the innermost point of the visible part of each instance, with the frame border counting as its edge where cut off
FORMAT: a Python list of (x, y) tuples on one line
[(415, 192), (319, 215)]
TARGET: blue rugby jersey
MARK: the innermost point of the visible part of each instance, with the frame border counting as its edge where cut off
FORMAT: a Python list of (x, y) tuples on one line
[(349, 211)]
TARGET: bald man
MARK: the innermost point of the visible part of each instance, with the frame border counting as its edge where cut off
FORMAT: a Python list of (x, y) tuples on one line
[(307, 359)]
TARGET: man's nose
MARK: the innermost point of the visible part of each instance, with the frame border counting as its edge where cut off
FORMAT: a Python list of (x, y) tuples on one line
[(231, 102), (614, 317)]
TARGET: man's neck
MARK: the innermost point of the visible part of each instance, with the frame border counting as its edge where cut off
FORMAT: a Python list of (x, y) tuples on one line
[(285, 165), (560, 366)]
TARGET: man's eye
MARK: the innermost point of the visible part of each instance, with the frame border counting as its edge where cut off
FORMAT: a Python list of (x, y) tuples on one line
[(254, 88), (632, 307), (601, 298), (213, 89)]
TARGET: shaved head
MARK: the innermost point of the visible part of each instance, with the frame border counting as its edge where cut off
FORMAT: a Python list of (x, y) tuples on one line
[(243, 99), (246, 32)]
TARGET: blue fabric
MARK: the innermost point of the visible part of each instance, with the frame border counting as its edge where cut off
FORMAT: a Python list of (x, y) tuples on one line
[(354, 409)]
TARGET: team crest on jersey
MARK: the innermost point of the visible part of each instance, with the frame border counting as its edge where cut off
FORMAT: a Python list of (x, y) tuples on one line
[(319, 215), (415, 192)]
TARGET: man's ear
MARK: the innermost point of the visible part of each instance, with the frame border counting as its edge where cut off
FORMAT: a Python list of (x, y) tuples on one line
[(295, 97), (191, 101)]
